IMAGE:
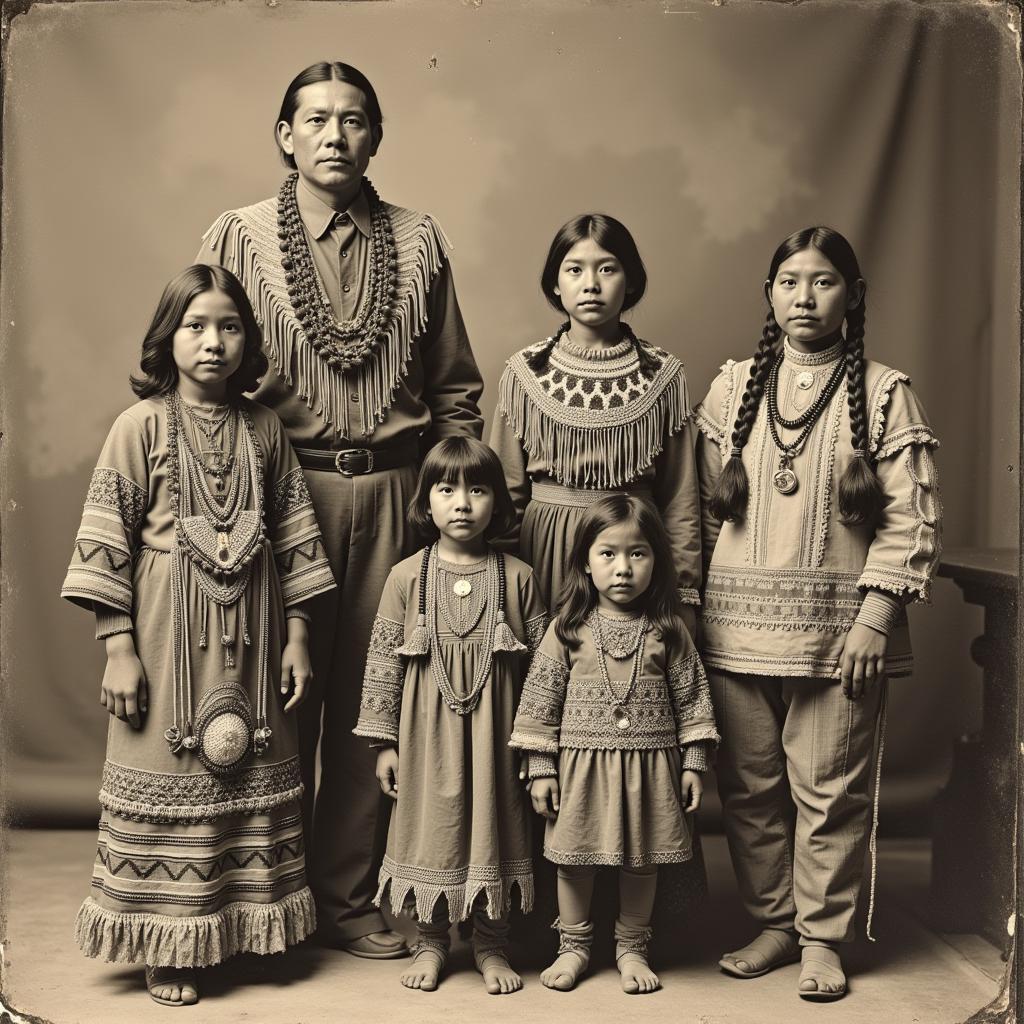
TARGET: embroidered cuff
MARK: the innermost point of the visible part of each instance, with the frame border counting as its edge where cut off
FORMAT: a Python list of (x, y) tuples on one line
[(879, 611), (541, 766), (696, 757), (689, 595), (110, 621), (295, 612), (382, 733)]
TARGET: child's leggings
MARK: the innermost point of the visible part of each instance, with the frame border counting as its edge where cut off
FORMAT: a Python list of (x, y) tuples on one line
[(794, 771), (636, 893)]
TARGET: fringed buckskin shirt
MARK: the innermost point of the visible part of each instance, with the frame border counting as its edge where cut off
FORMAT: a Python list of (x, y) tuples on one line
[(591, 418), (423, 380), (786, 583)]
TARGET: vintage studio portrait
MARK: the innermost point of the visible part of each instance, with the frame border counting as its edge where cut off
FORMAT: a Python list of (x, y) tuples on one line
[(510, 511)]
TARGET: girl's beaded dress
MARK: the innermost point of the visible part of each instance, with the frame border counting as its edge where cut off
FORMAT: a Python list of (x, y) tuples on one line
[(460, 828), (200, 851), (616, 719), (594, 420)]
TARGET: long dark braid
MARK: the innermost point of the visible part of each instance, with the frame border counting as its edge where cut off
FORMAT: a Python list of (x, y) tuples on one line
[(729, 502), (861, 498), (538, 360), (648, 363)]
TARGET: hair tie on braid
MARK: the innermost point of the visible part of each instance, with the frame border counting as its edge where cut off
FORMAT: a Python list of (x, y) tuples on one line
[(735, 452), (504, 638), (859, 453), (538, 359), (418, 643)]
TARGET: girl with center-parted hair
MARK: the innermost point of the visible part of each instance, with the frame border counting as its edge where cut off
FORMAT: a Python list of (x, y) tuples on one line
[(821, 524), (617, 724), (197, 550), (444, 670)]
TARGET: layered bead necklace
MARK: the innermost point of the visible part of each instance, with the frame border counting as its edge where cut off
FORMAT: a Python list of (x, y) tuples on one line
[(218, 459), (784, 479), (625, 637), (220, 545), (343, 344), (486, 607)]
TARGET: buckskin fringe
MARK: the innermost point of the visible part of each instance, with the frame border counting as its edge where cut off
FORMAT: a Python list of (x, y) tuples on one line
[(254, 256), (422, 888), (602, 449), (163, 941)]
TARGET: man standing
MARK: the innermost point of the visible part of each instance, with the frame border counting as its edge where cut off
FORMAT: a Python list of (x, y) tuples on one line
[(370, 365)]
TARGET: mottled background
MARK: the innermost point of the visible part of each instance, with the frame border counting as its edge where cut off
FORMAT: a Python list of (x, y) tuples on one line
[(712, 131)]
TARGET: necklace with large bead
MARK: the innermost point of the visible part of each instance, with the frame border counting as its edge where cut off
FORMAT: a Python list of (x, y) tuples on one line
[(785, 479), (619, 714), (461, 594), (489, 617), (343, 344)]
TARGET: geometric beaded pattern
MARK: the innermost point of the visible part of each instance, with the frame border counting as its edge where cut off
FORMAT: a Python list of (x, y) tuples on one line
[(384, 679), (594, 384), (200, 796)]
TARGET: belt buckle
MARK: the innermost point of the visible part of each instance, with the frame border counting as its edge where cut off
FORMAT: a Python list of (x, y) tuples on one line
[(340, 457)]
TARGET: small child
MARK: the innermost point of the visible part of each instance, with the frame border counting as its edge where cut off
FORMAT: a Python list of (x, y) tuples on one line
[(821, 523), (443, 674), (617, 718), (197, 535)]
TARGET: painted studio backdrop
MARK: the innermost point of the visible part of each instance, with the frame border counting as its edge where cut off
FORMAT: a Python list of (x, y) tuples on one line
[(711, 131)]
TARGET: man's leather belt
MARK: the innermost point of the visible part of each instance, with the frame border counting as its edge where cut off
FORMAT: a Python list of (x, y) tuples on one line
[(359, 461)]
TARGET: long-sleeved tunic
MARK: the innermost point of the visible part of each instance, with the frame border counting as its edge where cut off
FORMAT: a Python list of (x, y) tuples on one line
[(786, 583)]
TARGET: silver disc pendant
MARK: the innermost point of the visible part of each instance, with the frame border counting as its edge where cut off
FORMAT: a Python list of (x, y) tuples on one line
[(804, 380), (462, 588), (785, 481), (620, 718)]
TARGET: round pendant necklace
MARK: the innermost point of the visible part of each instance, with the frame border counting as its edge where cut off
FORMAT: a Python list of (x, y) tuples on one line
[(785, 479), (619, 714), (462, 588)]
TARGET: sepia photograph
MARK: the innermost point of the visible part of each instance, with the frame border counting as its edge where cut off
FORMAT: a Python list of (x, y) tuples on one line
[(510, 511)]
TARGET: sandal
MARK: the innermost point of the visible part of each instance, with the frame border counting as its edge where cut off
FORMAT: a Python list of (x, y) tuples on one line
[(774, 947), (818, 968), (186, 977), (377, 946)]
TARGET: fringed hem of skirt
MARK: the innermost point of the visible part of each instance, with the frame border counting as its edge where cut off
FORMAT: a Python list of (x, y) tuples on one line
[(416, 895), (164, 941), (613, 859)]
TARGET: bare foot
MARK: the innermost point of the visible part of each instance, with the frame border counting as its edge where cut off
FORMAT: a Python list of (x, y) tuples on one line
[(772, 948), (499, 978), (424, 970), (821, 975), (564, 972), (637, 976), (172, 986)]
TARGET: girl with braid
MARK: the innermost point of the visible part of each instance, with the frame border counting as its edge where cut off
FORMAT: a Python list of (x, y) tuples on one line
[(589, 412), (821, 523), (444, 670)]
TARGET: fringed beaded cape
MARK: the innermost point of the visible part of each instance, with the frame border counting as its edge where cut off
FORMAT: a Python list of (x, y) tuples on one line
[(597, 423), (249, 237)]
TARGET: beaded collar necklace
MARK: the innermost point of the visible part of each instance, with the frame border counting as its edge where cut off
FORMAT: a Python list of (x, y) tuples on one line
[(343, 344), (784, 479)]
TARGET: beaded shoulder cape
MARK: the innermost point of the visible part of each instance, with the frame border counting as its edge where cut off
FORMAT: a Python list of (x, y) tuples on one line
[(596, 422), (253, 255)]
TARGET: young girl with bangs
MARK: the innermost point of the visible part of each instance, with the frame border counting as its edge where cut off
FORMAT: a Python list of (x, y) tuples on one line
[(821, 523), (197, 551), (617, 722), (443, 674)]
